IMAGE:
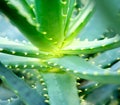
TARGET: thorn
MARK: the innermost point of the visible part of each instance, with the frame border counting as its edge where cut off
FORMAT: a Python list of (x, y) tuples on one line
[(67, 69), (50, 38), (25, 66), (47, 101), (16, 66), (37, 53), (63, 2), (32, 6), (95, 73), (45, 95), (75, 71), (44, 89), (84, 72), (13, 52), (25, 53), (32, 66), (1, 49), (44, 33), (93, 62), (61, 67)]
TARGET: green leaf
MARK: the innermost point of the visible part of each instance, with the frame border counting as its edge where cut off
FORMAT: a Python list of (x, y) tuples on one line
[(88, 87), (85, 70), (116, 66), (23, 8), (21, 62), (5, 93), (19, 87), (50, 20), (99, 96), (67, 12), (61, 88), (12, 101), (80, 21), (29, 30), (106, 58), (88, 47), (20, 49)]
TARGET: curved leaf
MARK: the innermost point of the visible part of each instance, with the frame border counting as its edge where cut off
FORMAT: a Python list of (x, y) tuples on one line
[(85, 70), (88, 47), (19, 87), (61, 88)]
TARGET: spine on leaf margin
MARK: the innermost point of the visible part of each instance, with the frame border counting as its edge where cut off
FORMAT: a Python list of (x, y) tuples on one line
[(29, 30)]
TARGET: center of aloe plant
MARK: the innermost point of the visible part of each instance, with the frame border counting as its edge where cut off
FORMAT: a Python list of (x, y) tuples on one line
[(58, 63), (47, 24)]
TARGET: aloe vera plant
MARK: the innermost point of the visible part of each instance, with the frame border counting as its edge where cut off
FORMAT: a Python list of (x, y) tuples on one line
[(63, 52)]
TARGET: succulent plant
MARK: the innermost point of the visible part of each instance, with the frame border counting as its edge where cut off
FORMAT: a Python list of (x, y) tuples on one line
[(59, 52)]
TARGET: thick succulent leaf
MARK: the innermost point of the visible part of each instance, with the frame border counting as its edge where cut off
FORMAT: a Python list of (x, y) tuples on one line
[(106, 58), (88, 47), (85, 70), (7, 97), (80, 21), (19, 87), (85, 89), (6, 93), (23, 8), (29, 30), (30, 2), (61, 88), (20, 49), (67, 12), (16, 17), (116, 66), (21, 62), (12, 101), (50, 19), (34, 78), (104, 25), (99, 96), (16, 102), (111, 10)]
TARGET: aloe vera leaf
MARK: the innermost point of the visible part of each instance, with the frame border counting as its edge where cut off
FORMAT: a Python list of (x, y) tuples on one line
[(34, 78), (6, 93), (88, 47), (29, 30), (16, 102), (21, 62), (116, 66), (20, 88), (20, 49), (100, 96), (88, 88), (80, 21), (39, 85), (85, 70), (3, 102), (30, 2), (95, 31), (50, 20), (24, 9), (61, 88), (112, 12), (106, 58), (7, 97), (68, 10), (11, 101)]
